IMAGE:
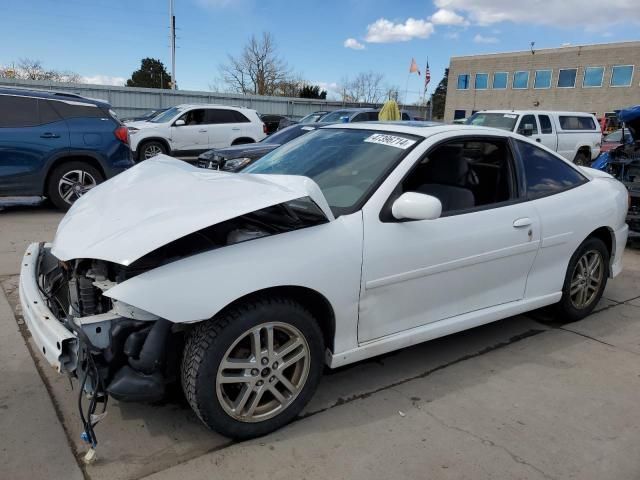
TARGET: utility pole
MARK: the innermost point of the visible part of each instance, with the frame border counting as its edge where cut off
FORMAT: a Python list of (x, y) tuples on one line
[(172, 38)]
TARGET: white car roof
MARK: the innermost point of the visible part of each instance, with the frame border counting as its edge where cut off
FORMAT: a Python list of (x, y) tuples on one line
[(212, 105), (544, 112), (421, 129)]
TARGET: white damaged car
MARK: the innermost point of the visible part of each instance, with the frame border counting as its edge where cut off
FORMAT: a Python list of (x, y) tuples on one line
[(346, 243)]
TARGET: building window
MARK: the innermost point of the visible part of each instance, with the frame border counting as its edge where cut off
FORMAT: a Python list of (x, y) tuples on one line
[(567, 77), (521, 80), (458, 114), (542, 79), (621, 75), (463, 81), (482, 81), (500, 80), (593, 76)]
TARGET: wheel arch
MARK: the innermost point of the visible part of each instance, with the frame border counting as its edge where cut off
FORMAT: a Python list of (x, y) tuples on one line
[(312, 300), (72, 157), (607, 236), (586, 149), (242, 141)]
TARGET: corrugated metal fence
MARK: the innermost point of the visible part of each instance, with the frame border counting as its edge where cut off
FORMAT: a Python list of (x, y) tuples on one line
[(127, 101)]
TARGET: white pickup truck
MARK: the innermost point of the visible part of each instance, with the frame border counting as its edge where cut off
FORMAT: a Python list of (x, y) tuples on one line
[(574, 135)]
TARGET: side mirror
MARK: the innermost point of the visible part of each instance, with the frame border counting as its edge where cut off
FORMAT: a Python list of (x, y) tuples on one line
[(527, 131), (179, 123), (416, 206)]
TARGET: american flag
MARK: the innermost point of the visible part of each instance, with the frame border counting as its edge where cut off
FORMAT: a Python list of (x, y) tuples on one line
[(427, 76)]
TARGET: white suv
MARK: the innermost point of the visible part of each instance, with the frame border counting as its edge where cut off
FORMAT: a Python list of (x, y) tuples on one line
[(188, 130)]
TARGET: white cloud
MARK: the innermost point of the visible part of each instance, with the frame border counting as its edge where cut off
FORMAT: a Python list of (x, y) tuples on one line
[(452, 35), (561, 13), (448, 17), (104, 80), (482, 39), (385, 31), (353, 44)]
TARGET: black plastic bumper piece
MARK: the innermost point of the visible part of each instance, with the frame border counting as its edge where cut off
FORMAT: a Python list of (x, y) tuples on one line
[(129, 385)]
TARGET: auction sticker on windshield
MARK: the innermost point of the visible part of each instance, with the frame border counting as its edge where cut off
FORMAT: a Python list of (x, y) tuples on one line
[(390, 140)]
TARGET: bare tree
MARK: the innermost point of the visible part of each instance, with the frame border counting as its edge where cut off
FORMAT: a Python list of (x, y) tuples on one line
[(258, 69), (366, 87), (28, 69)]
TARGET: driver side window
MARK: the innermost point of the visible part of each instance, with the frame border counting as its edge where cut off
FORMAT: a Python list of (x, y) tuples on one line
[(194, 117), (528, 120), (465, 174)]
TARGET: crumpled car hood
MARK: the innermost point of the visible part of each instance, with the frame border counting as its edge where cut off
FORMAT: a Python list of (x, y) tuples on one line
[(163, 199)]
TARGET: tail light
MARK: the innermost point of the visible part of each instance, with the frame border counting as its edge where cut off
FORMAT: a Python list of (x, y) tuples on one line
[(122, 134), (264, 128)]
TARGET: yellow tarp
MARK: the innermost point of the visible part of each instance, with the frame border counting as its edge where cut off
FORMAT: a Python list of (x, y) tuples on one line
[(389, 111)]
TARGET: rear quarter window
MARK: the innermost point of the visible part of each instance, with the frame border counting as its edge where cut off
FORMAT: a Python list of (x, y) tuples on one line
[(544, 173), (574, 122), (20, 112), (77, 110)]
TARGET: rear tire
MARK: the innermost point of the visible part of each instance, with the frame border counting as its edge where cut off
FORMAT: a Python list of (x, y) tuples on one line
[(70, 181), (582, 159), (585, 281), (254, 396), (150, 149)]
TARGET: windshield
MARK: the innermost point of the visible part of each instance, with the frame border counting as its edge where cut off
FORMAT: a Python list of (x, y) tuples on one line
[(346, 164), (505, 121), (336, 116), (167, 116), (312, 117), (286, 135)]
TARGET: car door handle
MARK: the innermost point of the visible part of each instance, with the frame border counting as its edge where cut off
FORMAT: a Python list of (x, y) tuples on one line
[(49, 135), (522, 222), (236, 129), (538, 140), (204, 130)]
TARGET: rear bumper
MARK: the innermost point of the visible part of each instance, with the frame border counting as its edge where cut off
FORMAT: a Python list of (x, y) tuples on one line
[(56, 343), (620, 237)]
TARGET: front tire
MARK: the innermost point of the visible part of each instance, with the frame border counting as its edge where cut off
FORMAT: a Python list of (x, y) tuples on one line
[(585, 280), (69, 181), (254, 368)]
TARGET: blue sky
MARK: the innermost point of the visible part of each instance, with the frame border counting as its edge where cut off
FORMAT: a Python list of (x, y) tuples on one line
[(323, 41)]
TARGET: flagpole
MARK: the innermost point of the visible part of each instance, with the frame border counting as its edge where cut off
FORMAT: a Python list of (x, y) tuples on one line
[(406, 89)]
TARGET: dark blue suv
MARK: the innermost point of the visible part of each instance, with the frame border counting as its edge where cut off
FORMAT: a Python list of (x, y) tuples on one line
[(58, 145)]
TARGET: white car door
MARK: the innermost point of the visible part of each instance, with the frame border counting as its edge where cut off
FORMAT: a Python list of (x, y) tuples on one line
[(548, 135), (224, 127), (191, 137), (476, 255)]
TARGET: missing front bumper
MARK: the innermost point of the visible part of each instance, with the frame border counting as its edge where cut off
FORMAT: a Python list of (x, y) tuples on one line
[(58, 345)]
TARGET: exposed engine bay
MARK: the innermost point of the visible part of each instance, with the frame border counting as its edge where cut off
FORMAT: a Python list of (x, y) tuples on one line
[(126, 352)]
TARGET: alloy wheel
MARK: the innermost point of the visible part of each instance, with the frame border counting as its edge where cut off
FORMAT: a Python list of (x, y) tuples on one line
[(586, 279), (263, 372), (151, 151), (74, 184)]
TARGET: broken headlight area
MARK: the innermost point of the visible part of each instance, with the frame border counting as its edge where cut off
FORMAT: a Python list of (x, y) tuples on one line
[(122, 349)]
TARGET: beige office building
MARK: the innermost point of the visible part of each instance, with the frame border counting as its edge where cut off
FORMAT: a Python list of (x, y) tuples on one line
[(590, 78)]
